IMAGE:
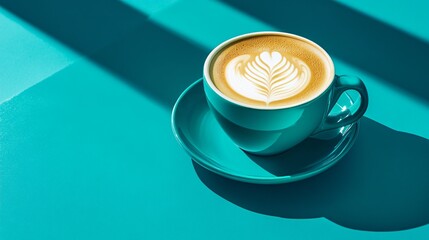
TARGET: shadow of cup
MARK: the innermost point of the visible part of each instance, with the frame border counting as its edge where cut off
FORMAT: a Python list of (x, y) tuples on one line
[(382, 184)]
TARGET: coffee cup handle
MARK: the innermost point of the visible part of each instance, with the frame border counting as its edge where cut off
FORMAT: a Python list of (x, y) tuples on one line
[(343, 83)]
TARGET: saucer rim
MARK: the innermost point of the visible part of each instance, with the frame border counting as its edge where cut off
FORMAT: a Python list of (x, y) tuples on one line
[(202, 160)]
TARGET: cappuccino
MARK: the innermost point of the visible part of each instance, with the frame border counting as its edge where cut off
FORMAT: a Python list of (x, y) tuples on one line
[(271, 71)]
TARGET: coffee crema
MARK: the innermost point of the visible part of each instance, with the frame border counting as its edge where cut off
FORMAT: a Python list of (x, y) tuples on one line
[(271, 70)]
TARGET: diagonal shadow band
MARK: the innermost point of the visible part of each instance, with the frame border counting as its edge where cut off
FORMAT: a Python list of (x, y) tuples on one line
[(389, 53), (84, 26), (121, 40), (160, 69), (394, 56), (380, 185), (371, 189)]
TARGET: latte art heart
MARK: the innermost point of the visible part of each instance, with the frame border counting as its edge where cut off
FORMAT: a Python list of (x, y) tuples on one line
[(271, 71), (267, 77)]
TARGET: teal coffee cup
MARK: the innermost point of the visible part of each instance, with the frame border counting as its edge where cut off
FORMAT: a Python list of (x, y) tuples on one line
[(271, 100)]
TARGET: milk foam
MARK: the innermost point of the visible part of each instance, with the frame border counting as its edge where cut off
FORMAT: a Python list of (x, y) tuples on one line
[(271, 71), (268, 76)]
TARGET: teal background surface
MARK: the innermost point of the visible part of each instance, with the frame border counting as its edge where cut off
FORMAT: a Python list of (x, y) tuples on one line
[(87, 152)]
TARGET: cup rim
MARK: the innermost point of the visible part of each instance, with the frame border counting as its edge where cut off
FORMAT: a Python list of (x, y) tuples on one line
[(219, 47)]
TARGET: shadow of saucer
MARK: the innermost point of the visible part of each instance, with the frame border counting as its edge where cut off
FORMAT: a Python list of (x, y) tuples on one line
[(382, 184)]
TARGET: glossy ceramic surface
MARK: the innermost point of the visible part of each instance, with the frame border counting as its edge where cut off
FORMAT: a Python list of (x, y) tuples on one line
[(271, 131), (199, 133), (88, 153)]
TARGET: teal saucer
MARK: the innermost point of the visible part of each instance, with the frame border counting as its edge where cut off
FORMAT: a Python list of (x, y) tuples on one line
[(201, 136)]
